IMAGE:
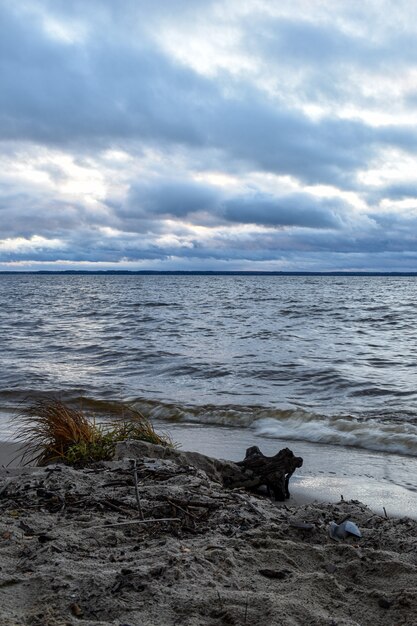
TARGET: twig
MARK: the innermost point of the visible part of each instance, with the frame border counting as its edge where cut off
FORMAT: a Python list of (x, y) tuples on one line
[(115, 483), (112, 506), (111, 503), (250, 505), (137, 521), (181, 509), (135, 476), (385, 512), (195, 504)]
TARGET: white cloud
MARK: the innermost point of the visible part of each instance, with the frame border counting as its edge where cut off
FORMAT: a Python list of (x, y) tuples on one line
[(235, 133), (36, 243)]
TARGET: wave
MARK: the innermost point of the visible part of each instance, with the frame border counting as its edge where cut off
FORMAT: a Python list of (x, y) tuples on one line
[(384, 433), (391, 433), (398, 438)]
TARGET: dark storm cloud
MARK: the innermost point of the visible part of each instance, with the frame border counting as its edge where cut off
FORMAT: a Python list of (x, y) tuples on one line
[(398, 191), (109, 90), (82, 78), (287, 142), (304, 43), (326, 43), (379, 236), (397, 229), (172, 198), (100, 91), (337, 60), (175, 199), (289, 210), (379, 233)]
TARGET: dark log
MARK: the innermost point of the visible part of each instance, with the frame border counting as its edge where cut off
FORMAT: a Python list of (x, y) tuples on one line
[(272, 471), (256, 469)]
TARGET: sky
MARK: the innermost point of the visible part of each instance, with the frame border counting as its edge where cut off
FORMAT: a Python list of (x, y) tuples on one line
[(190, 135)]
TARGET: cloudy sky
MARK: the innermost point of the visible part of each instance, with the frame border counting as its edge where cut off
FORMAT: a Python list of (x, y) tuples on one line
[(189, 134)]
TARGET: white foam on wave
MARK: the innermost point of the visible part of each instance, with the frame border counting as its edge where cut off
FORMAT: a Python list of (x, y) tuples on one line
[(391, 437)]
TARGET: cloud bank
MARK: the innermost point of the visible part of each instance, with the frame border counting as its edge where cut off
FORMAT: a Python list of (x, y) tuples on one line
[(208, 135)]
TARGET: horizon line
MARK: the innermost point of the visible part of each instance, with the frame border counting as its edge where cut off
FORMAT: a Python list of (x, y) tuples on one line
[(209, 273)]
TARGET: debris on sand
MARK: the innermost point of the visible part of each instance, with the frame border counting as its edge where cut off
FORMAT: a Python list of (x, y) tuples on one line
[(75, 549)]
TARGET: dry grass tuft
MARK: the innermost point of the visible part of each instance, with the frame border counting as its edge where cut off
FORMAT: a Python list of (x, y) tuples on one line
[(50, 431)]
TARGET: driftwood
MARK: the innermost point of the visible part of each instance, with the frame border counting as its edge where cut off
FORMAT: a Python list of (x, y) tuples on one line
[(256, 469), (272, 471)]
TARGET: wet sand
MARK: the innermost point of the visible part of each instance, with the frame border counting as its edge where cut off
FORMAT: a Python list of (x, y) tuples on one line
[(9, 454), (381, 480), (385, 482)]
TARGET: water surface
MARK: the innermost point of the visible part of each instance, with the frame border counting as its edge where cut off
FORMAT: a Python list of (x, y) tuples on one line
[(328, 359)]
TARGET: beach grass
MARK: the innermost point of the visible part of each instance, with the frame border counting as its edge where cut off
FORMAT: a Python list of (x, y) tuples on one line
[(50, 431)]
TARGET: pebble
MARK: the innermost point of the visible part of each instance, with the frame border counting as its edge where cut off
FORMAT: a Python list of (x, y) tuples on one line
[(76, 609), (384, 603)]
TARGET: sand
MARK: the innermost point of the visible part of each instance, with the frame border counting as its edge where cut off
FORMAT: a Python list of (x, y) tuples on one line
[(67, 555), (9, 454), (380, 479)]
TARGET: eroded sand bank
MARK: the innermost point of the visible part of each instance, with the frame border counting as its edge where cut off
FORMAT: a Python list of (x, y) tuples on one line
[(70, 553)]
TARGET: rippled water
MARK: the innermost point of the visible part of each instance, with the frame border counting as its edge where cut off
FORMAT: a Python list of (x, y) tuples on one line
[(330, 359)]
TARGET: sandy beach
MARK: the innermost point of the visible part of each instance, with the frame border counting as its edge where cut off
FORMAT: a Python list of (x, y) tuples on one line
[(73, 550), (9, 454), (383, 481), (208, 290)]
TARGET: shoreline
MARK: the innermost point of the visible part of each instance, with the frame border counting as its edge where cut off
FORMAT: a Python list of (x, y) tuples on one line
[(381, 480), (9, 455), (329, 474), (75, 550)]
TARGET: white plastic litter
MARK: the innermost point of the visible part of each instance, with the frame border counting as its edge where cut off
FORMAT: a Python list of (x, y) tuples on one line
[(343, 530)]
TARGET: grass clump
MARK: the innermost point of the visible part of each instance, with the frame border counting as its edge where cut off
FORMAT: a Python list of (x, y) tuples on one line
[(50, 432)]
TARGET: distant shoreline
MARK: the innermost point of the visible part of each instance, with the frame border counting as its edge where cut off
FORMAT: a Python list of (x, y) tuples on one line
[(199, 273)]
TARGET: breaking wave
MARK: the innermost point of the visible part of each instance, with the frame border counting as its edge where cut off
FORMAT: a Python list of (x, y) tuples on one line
[(379, 432), (383, 433), (396, 438)]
